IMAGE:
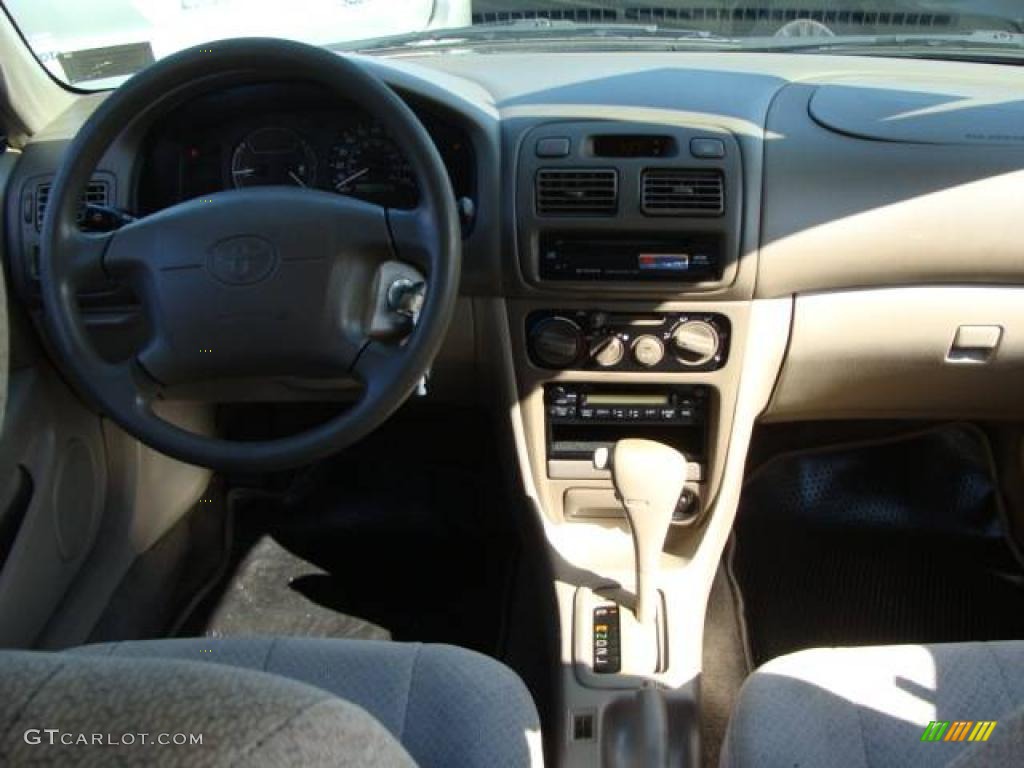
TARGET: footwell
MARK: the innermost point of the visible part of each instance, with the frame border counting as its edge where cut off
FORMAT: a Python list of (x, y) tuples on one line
[(898, 541)]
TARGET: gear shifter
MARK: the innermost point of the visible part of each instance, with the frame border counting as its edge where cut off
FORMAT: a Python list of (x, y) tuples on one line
[(649, 478)]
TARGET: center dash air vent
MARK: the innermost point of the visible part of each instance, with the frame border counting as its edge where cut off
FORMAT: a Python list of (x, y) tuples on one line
[(682, 192), (577, 192), (96, 193)]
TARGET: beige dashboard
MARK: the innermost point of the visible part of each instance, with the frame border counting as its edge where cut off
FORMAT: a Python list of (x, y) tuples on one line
[(882, 196), (873, 267)]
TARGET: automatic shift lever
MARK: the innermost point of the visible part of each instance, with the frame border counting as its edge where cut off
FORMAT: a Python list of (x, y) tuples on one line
[(649, 478)]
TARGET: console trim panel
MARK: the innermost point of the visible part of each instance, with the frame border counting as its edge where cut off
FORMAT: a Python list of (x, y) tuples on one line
[(629, 219)]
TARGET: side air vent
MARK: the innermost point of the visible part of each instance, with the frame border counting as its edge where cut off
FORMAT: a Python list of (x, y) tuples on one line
[(96, 193), (682, 192), (577, 192)]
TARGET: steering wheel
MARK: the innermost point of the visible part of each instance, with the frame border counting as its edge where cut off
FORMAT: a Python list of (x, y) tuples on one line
[(259, 281)]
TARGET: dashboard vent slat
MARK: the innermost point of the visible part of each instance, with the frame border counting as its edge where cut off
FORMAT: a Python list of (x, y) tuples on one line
[(682, 192), (96, 193), (726, 19), (578, 192)]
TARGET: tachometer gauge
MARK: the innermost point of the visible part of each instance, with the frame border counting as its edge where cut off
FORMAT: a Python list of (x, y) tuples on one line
[(367, 164), (270, 156)]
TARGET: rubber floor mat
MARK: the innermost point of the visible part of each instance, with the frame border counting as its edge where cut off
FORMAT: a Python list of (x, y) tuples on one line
[(893, 542)]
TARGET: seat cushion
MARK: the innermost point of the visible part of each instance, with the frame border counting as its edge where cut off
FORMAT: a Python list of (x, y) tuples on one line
[(447, 706), (63, 710), (870, 706)]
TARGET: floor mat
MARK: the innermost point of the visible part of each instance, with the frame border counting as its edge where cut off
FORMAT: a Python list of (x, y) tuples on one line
[(265, 596), (894, 542), (385, 537)]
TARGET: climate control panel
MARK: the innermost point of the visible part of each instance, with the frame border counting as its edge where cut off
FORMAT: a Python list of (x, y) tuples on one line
[(593, 340)]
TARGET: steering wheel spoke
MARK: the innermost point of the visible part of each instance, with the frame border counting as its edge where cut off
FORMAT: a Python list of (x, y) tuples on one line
[(413, 235), (86, 253)]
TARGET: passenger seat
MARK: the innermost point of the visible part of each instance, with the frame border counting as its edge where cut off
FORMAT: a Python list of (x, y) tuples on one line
[(871, 706)]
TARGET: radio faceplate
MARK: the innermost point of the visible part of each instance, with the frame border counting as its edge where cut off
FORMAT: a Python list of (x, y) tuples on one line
[(581, 418), (679, 258), (684, 405)]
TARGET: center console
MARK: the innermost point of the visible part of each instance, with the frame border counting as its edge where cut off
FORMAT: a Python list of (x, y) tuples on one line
[(641, 215), (631, 324)]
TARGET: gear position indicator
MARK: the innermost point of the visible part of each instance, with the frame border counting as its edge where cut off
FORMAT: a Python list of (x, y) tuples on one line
[(607, 647)]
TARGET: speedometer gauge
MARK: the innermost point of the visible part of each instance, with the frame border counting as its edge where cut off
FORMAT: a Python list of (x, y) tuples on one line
[(273, 156), (367, 164)]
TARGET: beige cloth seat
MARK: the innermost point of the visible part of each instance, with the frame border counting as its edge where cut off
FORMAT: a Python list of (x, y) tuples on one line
[(866, 707)]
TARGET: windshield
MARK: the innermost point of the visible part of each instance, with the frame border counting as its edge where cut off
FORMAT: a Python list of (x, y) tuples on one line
[(98, 43)]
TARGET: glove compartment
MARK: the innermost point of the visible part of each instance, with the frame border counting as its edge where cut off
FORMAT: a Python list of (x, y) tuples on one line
[(917, 352)]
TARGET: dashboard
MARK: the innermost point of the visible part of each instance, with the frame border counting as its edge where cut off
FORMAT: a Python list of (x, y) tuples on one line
[(289, 134), (640, 187)]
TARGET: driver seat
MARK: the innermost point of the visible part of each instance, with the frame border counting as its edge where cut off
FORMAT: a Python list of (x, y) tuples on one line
[(444, 706)]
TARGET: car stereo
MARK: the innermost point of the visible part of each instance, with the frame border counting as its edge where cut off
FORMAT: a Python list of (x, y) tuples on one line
[(585, 404), (686, 258), (584, 417)]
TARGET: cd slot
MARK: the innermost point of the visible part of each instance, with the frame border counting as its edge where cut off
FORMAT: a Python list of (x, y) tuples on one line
[(579, 441)]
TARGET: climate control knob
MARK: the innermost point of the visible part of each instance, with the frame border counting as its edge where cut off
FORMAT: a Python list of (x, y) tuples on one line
[(608, 351), (556, 342), (695, 342), (648, 350)]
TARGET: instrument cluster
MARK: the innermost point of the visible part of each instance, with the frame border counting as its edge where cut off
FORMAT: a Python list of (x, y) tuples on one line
[(290, 135)]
